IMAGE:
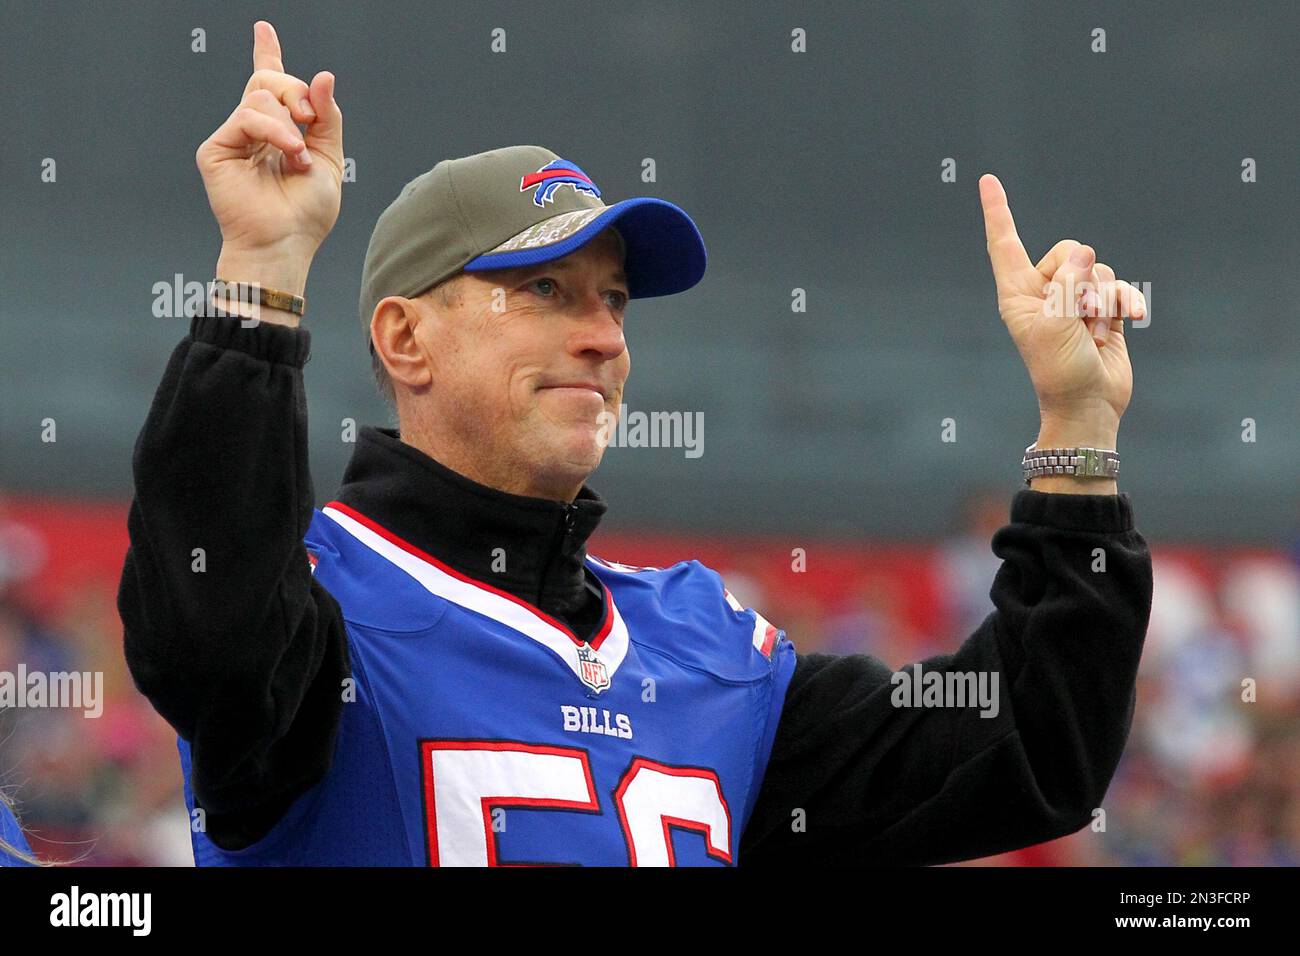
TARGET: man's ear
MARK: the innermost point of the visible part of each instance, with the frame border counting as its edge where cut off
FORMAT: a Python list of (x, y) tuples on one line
[(392, 330)]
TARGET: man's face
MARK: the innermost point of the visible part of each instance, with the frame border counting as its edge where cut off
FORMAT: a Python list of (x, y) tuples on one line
[(528, 367)]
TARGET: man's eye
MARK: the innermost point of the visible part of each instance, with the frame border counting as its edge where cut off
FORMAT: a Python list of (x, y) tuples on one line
[(548, 283), (618, 300)]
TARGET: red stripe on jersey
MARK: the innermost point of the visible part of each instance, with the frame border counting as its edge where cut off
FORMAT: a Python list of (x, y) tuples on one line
[(606, 624)]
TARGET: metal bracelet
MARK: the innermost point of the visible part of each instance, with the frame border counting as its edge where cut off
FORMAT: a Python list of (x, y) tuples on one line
[(1079, 461)]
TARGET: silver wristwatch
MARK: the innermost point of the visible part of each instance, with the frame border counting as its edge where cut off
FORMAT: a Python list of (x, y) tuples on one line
[(1080, 462)]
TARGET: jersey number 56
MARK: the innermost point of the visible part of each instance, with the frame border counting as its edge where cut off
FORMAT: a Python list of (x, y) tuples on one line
[(466, 780)]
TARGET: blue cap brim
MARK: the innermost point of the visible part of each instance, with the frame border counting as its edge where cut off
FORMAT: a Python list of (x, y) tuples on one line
[(665, 252)]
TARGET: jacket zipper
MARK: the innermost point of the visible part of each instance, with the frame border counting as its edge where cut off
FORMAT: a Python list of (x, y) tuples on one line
[(568, 518)]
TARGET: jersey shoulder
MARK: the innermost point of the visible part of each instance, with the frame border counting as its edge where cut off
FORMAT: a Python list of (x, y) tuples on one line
[(686, 612), (354, 563)]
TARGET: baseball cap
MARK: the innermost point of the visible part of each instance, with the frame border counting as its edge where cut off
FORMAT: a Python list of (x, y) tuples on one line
[(519, 206)]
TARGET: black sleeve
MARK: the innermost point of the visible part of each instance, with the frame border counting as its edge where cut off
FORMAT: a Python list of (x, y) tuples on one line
[(885, 784), (225, 629)]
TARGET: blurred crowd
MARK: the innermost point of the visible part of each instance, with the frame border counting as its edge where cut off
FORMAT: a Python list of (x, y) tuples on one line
[(100, 791), (1211, 774)]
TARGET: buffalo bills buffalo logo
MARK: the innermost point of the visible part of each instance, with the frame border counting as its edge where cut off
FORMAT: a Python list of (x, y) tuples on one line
[(557, 173)]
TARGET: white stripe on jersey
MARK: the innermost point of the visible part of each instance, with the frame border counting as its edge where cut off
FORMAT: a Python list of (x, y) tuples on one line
[(478, 598)]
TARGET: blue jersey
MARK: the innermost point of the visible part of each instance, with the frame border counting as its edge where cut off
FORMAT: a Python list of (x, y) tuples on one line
[(11, 835), (477, 730)]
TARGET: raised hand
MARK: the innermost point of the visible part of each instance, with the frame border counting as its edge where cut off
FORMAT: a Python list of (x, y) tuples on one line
[(1065, 316), (275, 191)]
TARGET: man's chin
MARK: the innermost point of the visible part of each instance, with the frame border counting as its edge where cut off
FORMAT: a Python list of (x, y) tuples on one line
[(572, 454), (584, 451)]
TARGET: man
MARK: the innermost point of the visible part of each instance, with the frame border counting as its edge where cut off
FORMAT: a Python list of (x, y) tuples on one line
[(432, 670)]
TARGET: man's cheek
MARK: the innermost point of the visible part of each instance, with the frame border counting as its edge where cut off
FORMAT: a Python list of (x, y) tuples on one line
[(524, 399)]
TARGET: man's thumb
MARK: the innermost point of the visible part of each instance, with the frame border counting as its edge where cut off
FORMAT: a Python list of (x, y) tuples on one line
[(326, 134), (1062, 298)]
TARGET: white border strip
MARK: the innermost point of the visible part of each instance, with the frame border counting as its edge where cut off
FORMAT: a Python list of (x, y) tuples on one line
[(503, 610)]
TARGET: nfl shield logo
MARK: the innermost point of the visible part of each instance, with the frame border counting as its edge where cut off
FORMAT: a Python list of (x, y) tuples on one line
[(591, 669)]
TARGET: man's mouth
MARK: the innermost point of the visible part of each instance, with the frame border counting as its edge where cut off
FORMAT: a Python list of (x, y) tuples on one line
[(577, 386)]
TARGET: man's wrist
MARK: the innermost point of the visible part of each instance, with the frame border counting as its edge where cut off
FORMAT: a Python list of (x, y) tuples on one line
[(1088, 433), (1083, 434), (1070, 485), (268, 270), (282, 269)]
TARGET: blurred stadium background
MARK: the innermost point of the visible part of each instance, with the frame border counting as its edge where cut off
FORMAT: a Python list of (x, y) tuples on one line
[(818, 171)]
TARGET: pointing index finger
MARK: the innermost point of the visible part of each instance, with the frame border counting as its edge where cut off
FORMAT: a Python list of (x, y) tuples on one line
[(1006, 251), (266, 48)]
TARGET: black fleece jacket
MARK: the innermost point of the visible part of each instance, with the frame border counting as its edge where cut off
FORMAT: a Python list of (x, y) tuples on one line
[(245, 658)]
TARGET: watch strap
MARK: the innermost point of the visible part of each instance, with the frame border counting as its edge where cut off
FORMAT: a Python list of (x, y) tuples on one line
[(1079, 461)]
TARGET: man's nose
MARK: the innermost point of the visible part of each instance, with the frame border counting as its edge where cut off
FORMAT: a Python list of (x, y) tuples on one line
[(597, 330)]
